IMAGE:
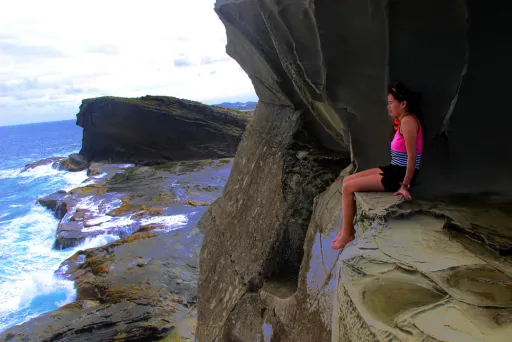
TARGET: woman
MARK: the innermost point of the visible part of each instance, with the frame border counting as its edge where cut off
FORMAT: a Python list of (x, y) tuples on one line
[(397, 177)]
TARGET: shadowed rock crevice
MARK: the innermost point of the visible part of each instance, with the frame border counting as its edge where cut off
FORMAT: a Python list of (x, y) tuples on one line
[(309, 168), (281, 169)]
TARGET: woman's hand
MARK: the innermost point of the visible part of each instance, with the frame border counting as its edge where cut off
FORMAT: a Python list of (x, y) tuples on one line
[(404, 191)]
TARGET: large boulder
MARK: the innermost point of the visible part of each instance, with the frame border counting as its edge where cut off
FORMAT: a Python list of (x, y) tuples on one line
[(155, 129), (56, 202)]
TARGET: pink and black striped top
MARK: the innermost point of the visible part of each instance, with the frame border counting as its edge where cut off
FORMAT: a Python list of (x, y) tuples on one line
[(399, 150)]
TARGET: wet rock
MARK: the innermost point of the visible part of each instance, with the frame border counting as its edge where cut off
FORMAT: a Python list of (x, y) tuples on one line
[(193, 203), (56, 203), (69, 234), (302, 155), (156, 129), (78, 160), (54, 161), (73, 163), (127, 197)]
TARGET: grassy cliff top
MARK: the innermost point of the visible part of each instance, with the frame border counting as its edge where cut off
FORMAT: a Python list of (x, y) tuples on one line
[(167, 103)]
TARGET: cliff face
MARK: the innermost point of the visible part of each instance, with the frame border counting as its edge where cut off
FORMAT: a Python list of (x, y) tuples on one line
[(321, 69), (157, 129), (336, 59)]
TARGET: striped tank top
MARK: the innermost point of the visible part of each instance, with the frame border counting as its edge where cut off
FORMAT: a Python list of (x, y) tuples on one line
[(399, 150)]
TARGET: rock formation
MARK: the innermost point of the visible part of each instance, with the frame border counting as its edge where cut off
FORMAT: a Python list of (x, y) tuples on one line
[(336, 59), (156, 129), (320, 69), (74, 162)]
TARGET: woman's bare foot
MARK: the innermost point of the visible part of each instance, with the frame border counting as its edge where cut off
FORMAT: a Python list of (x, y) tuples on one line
[(342, 241), (337, 237)]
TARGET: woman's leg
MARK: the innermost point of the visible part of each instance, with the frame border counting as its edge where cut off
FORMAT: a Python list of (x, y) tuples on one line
[(348, 205), (366, 173)]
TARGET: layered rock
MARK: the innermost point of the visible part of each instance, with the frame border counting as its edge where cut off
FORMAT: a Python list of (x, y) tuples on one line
[(156, 129), (124, 197)]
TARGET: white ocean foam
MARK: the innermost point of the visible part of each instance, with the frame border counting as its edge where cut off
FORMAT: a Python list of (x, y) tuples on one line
[(74, 179), (100, 176), (169, 222), (23, 273), (9, 173), (15, 206), (99, 220), (44, 283), (111, 205), (27, 244), (38, 221), (116, 222), (40, 171), (96, 241)]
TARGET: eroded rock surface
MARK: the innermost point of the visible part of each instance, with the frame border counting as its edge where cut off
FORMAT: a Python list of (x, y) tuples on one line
[(157, 129), (412, 277)]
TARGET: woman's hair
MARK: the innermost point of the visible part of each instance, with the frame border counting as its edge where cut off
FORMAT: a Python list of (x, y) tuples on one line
[(403, 93)]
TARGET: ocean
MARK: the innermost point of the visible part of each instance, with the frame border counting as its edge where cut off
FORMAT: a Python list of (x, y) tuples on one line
[(28, 286)]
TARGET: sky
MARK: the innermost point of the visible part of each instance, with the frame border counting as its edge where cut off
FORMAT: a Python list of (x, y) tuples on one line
[(54, 53)]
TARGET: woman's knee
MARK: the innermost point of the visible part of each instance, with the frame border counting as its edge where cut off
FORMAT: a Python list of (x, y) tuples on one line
[(347, 187), (347, 179)]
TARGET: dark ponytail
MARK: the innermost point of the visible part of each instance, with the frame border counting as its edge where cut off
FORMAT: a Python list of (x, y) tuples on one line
[(414, 100)]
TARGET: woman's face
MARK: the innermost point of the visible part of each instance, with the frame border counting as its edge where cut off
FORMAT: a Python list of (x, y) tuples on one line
[(395, 108)]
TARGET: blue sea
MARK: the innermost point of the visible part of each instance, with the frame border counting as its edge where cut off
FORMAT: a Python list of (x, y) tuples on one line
[(28, 286)]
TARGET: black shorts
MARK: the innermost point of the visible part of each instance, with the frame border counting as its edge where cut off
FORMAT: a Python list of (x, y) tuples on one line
[(393, 175)]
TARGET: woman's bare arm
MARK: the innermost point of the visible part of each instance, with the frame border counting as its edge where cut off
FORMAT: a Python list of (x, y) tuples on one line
[(409, 128)]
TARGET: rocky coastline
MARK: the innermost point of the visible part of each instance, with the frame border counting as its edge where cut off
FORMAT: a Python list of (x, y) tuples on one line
[(435, 269), (143, 284)]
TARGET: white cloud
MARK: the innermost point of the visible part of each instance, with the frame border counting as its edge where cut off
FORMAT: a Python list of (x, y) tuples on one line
[(54, 53)]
